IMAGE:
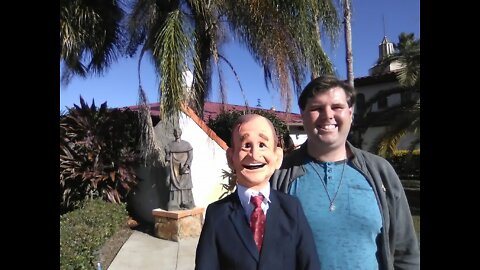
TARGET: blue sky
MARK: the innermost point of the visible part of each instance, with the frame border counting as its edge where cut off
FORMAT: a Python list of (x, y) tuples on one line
[(119, 85)]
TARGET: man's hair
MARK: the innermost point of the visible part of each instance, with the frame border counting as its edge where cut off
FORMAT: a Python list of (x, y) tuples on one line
[(322, 84), (247, 117)]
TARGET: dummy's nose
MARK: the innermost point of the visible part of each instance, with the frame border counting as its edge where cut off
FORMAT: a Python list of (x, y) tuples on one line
[(256, 153)]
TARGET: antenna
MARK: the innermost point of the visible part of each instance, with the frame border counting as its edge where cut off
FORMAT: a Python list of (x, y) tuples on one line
[(384, 32)]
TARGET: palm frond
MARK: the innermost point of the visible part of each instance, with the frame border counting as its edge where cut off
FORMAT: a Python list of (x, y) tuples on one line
[(90, 36), (170, 48)]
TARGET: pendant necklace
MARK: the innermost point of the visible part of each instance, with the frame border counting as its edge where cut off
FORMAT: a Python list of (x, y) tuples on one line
[(331, 200)]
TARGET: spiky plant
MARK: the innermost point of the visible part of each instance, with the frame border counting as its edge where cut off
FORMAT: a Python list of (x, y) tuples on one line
[(97, 152)]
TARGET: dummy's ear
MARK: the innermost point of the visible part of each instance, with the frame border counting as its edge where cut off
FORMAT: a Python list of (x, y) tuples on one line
[(279, 155), (229, 154)]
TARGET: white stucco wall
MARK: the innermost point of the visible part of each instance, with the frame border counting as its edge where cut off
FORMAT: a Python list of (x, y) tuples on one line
[(373, 132), (370, 135), (395, 99), (298, 139), (208, 161)]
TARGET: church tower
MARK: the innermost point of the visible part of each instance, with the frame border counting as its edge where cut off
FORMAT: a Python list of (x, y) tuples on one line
[(385, 48)]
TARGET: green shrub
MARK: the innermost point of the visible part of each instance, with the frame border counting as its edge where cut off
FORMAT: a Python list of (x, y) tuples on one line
[(223, 124), (98, 149), (406, 164), (84, 231)]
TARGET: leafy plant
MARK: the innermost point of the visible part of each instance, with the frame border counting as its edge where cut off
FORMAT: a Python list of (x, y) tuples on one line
[(406, 164), (222, 125), (97, 152), (229, 187), (85, 230)]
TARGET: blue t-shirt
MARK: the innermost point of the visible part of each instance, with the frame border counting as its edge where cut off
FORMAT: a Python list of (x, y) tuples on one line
[(345, 237)]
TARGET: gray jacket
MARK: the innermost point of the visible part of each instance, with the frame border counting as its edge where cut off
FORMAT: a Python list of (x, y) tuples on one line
[(398, 242)]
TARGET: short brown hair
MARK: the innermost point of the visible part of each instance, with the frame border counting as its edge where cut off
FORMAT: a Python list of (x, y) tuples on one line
[(322, 84), (247, 117)]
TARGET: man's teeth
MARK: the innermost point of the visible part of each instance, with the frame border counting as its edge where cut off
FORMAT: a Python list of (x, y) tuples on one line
[(332, 126)]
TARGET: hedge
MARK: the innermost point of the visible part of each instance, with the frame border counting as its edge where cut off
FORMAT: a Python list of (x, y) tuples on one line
[(84, 231)]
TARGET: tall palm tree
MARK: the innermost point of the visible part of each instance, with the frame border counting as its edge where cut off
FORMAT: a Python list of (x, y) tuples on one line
[(282, 36), (178, 35), (347, 17), (90, 36), (403, 118)]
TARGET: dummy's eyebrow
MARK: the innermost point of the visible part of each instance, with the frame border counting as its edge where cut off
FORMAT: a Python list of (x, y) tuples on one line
[(245, 136), (265, 137)]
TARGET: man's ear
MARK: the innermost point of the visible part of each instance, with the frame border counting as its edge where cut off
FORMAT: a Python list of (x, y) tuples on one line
[(279, 155), (229, 154)]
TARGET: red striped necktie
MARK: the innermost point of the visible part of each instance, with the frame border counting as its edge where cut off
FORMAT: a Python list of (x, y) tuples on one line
[(257, 220)]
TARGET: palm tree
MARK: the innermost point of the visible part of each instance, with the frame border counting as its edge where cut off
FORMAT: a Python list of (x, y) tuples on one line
[(282, 36), (403, 118), (90, 36), (347, 16), (178, 35)]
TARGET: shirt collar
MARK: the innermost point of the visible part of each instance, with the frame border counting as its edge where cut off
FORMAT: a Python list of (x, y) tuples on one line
[(245, 193)]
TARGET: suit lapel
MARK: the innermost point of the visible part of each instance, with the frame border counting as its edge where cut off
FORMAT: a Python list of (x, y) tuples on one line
[(274, 229), (237, 217)]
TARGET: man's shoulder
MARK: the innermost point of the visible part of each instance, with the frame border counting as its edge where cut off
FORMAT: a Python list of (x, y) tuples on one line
[(294, 158), (368, 157), (284, 197)]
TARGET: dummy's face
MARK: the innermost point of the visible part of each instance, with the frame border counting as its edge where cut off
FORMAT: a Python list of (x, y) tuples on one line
[(254, 155)]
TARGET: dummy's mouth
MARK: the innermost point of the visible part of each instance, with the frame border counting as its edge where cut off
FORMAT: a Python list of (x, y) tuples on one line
[(254, 166)]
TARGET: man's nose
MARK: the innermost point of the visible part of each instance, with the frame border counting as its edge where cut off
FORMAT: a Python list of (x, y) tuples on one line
[(328, 112)]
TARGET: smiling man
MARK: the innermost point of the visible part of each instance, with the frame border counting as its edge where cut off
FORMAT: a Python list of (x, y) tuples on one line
[(353, 199), (255, 227)]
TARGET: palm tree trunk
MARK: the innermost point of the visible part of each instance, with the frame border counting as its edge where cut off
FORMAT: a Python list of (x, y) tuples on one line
[(348, 40), (315, 73)]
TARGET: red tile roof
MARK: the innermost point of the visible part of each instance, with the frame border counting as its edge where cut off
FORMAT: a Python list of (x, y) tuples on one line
[(212, 109), (375, 79)]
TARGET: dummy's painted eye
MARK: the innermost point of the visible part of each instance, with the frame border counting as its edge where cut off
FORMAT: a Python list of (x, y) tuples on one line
[(247, 145)]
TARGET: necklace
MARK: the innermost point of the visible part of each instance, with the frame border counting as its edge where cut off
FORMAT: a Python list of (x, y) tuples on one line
[(331, 200)]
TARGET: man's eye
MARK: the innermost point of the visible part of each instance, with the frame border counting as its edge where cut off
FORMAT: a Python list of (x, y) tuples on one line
[(262, 145)]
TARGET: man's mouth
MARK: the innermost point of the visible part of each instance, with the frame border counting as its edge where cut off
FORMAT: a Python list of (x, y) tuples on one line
[(328, 127)]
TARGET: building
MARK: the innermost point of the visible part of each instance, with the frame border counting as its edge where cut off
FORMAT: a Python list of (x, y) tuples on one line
[(381, 80)]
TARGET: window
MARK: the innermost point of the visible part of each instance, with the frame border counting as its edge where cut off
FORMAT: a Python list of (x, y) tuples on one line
[(382, 103), (406, 97), (360, 104)]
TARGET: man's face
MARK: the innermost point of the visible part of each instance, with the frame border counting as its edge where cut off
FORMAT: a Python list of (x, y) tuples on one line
[(254, 155), (327, 118)]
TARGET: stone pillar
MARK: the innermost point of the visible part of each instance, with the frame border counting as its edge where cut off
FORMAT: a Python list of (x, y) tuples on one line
[(176, 225)]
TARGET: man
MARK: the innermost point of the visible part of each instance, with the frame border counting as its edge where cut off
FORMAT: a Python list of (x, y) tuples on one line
[(353, 200), (255, 227)]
